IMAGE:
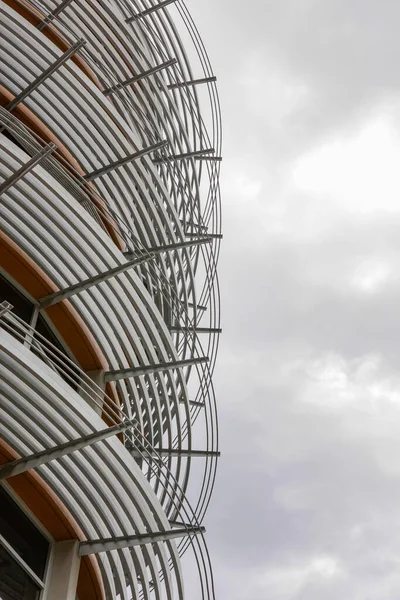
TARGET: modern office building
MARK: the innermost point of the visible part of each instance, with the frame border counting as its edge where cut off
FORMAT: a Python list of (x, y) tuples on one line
[(109, 304)]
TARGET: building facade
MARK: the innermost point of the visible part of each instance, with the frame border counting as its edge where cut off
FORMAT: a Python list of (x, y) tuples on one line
[(110, 226)]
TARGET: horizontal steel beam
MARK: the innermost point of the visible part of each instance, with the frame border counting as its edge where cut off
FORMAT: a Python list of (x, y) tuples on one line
[(214, 236), (191, 82), (28, 166), (47, 73), (56, 297), (124, 161), (179, 328), (191, 402), (150, 10), (216, 158), (197, 306), (118, 543), (174, 452), (152, 71), (192, 154), (16, 467), (175, 246), (149, 369), (196, 403)]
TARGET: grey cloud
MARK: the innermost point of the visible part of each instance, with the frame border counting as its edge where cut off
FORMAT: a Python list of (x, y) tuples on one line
[(344, 52), (282, 505), (302, 290), (309, 464)]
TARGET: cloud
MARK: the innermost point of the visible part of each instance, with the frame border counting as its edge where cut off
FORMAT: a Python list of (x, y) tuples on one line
[(360, 171), (371, 274), (311, 472), (308, 380), (288, 582), (269, 94)]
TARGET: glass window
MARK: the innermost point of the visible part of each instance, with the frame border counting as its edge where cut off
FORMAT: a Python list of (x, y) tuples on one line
[(22, 534), (22, 307), (15, 583), (23, 552)]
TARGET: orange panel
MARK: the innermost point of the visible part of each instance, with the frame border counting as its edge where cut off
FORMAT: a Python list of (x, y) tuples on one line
[(27, 117), (57, 520), (64, 317)]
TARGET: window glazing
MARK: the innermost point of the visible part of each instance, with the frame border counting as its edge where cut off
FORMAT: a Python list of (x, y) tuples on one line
[(23, 552)]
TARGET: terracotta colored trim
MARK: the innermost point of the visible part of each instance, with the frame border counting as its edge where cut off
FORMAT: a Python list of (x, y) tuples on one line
[(26, 116), (65, 318), (57, 520), (34, 16)]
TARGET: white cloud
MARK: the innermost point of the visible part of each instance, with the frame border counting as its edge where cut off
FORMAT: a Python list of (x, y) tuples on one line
[(308, 375), (331, 382), (359, 171), (240, 186), (287, 581), (293, 498), (269, 93), (371, 275)]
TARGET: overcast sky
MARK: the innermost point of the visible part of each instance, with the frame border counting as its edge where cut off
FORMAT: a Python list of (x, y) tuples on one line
[(307, 502)]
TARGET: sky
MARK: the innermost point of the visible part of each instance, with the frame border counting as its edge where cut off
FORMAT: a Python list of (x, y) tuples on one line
[(307, 500)]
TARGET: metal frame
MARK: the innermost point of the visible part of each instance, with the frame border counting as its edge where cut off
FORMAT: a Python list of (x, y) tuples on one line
[(16, 467), (149, 11), (39, 582), (45, 75), (147, 453), (27, 167), (135, 78), (116, 543), (165, 194)]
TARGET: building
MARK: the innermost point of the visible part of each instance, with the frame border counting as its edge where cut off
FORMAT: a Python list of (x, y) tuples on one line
[(109, 304)]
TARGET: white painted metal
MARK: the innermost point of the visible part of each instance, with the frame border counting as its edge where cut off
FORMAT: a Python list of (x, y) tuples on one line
[(138, 318)]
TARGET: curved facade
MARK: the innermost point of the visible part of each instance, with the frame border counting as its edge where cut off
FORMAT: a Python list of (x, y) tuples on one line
[(110, 146)]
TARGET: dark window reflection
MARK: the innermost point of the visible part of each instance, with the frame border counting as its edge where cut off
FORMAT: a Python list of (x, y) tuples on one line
[(22, 534), (22, 307), (15, 583)]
